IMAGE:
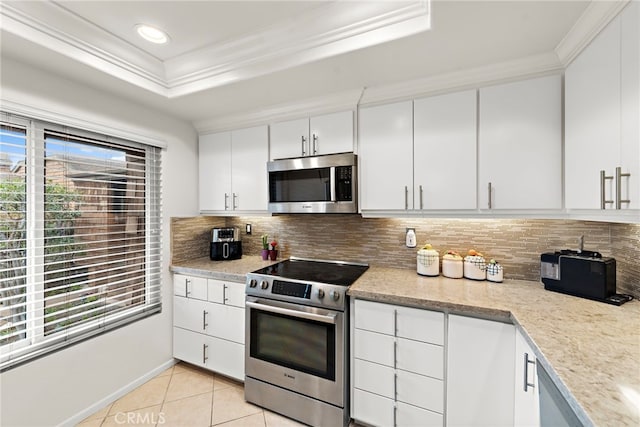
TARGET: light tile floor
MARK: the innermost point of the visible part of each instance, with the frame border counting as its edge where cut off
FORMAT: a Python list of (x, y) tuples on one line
[(186, 396)]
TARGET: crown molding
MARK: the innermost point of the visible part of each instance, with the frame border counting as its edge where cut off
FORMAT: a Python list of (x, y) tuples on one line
[(40, 23), (325, 32), (524, 68), (315, 35), (593, 20), (341, 101)]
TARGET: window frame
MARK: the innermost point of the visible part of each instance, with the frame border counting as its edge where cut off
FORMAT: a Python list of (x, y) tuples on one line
[(37, 343)]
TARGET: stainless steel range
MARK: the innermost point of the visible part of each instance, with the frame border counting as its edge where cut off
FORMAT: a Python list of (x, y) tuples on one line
[(297, 339)]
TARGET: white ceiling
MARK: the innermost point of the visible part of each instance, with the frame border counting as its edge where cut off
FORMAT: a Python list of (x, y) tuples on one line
[(275, 52)]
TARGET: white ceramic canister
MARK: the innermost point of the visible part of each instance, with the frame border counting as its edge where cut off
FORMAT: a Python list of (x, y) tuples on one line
[(475, 267), (428, 261), (494, 272), (452, 266)]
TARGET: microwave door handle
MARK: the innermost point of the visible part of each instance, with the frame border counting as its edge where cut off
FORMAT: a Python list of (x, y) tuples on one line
[(332, 179), (328, 318)]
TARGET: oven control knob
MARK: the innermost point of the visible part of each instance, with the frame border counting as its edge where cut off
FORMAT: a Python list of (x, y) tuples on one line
[(253, 283), (264, 284), (334, 295), (320, 293)]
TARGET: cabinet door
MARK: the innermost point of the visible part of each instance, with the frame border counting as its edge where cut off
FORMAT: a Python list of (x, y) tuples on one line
[(289, 139), (192, 314), (520, 145), (235, 294), (412, 416), (372, 409), (249, 156), (225, 357), (331, 133), (189, 346), (226, 322), (592, 119), (386, 156), (630, 105), (445, 155), (526, 408), (214, 171), (480, 372)]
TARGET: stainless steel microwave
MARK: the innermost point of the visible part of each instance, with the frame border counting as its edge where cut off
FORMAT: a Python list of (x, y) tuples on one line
[(314, 184)]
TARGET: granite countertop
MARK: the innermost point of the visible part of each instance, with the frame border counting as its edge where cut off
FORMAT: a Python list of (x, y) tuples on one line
[(590, 349)]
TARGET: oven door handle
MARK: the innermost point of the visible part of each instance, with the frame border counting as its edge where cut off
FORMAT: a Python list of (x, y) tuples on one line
[(323, 318)]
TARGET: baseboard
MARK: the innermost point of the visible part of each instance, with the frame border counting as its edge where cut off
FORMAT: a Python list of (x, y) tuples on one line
[(77, 418)]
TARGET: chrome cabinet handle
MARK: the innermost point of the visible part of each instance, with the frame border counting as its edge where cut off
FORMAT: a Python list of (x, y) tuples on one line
[(406, 197), (619, 199), (315, 143), (603, 199), (395, 416), (303, 140), (421, 204), (204, 353), (187, 282), (224, 293), (204, 320), (490, 189), (526, 382), (235, 198), (226, 201)]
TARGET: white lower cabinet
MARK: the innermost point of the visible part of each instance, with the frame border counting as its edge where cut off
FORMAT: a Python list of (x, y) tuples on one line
[(209, 332), (526, 409), (480, 372), (398, 365)]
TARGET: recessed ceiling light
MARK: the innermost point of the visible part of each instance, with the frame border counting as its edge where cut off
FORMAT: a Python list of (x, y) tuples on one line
[(152, 34)]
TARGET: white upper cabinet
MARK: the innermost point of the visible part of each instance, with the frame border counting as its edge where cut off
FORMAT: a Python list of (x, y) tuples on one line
[(214, 170), (444, 151), (602, 119), (520, 145), (233, 170), (386, 156), (325, 134)]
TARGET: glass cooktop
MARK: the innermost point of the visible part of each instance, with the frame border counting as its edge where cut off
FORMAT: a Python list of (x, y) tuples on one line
[(331, 272)]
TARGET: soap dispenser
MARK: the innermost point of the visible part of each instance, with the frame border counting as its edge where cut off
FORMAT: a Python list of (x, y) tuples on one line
[(411, 238)]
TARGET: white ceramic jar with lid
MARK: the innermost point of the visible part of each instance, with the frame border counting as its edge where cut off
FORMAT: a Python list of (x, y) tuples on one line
[(494, 271), (475, 266), (452, 265), (428, 261)]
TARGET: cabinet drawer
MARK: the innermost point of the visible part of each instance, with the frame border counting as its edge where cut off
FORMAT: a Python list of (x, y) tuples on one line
[(235, 294), (189, 346), (374, 347), (190, 287), (374, 378), (421, 391), (372, 409), (420, 325), (411, 416), (223, 292), (421, 358), (374, 316)]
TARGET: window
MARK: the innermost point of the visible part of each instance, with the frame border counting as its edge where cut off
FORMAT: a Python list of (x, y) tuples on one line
[(80, 236)]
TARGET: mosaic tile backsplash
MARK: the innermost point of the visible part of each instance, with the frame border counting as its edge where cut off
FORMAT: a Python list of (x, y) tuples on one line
[(515, 243)]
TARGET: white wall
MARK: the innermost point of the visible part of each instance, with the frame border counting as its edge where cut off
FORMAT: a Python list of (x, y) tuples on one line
[(63, 386)]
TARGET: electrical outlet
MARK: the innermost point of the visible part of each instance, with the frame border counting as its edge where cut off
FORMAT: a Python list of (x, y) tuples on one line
[(247, 228)]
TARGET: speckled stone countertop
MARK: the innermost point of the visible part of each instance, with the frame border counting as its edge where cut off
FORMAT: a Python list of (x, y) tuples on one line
[(590, 349)]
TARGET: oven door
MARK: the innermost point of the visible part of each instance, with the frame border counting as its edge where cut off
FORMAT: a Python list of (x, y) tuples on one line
[(296, 347)]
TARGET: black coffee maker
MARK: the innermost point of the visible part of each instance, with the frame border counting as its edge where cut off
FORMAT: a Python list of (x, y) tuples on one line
[(225, 244)]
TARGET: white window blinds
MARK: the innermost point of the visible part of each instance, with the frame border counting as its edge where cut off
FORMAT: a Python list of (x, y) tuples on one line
[(80, 236)]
